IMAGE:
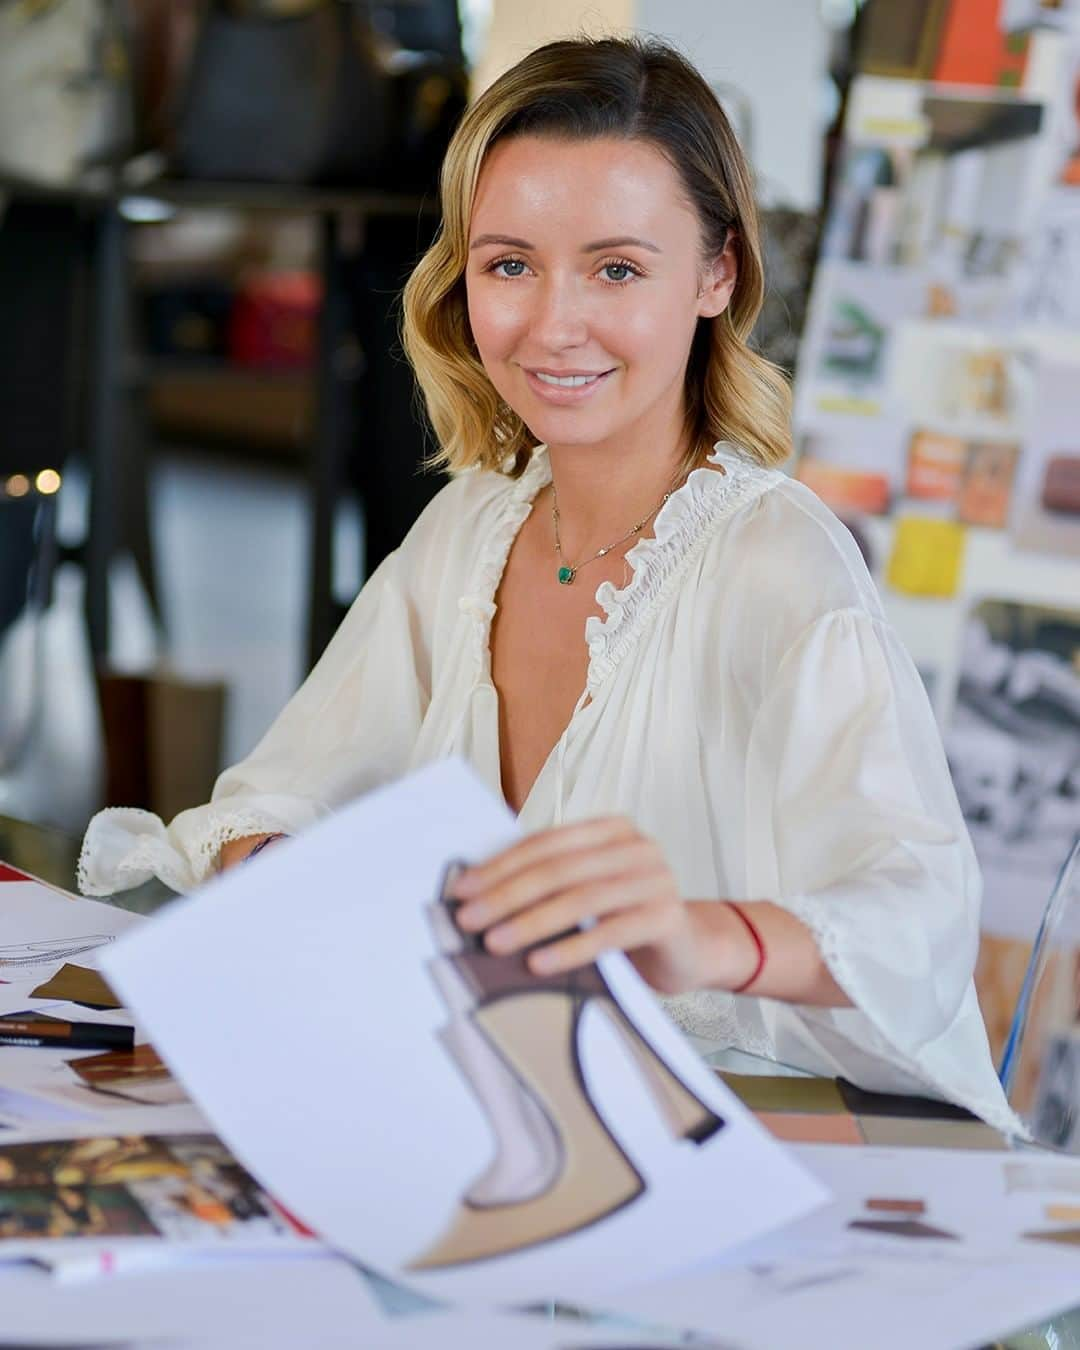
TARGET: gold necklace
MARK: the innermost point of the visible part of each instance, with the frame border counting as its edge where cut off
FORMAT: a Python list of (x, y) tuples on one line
[(568, 571)]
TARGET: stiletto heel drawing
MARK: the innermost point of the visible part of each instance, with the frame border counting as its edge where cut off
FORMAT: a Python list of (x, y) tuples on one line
[(517, 1039)]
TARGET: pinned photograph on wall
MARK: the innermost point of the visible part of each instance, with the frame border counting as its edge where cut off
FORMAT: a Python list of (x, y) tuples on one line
[(1013, 745), (927, 557), (848, 351), (854, 472), (967, 481), (1046, 518), (935, 177), (1069, 173), (1021, 16), (961, 382)]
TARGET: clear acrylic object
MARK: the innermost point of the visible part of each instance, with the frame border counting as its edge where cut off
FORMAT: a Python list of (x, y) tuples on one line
[(1040, 1066)]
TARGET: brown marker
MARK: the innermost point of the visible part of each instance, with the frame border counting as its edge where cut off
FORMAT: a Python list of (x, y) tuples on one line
[(65, 1035)]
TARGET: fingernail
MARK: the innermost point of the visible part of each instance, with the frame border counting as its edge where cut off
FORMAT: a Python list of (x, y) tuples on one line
[(473, 916), (499, 940), (463, 882), (543, 962)]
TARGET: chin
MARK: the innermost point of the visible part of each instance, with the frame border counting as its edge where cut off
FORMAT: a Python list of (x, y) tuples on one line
[(568, 429)]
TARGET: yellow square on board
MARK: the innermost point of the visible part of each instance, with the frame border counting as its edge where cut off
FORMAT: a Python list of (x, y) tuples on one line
[(927, 556)]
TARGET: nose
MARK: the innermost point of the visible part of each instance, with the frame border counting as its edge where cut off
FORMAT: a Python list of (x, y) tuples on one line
[(559, 318)]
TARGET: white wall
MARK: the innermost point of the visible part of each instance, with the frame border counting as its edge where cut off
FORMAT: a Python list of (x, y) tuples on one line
[(515, 27), (775, 52)]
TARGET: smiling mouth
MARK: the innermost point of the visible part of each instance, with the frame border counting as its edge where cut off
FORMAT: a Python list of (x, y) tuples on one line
[(568, 381)]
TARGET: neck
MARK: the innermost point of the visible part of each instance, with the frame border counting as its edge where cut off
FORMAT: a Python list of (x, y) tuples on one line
[(604, 490)]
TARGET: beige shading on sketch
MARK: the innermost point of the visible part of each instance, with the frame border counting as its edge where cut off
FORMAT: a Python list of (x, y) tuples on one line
[(516, 1039)]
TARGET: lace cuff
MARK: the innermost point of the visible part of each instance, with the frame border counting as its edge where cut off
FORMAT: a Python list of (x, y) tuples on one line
[(125, 847), (874, 1031)]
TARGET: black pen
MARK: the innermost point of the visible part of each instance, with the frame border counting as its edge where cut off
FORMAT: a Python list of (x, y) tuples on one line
[(66, 1035)]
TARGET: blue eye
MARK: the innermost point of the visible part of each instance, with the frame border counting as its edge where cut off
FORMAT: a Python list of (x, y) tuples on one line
[(609, 268), (509, 267)]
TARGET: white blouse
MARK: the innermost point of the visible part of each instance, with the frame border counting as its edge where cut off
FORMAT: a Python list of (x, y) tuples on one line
[(746, 704)]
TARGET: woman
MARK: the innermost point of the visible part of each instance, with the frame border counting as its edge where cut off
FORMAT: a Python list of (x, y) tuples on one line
[(735, 776)]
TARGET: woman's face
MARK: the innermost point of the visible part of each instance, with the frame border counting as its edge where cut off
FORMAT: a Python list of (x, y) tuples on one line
[(585, 285)]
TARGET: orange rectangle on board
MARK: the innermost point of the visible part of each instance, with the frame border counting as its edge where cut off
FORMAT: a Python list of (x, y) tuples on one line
[(936, 466), (845, 489), (974, 50)]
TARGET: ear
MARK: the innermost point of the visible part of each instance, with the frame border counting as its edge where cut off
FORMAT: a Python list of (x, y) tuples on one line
[(718, 280)]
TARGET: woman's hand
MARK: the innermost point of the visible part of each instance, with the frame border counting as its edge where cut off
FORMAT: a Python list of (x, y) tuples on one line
[(607, 880)]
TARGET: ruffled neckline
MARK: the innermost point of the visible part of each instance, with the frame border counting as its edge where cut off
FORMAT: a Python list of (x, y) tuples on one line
[(681, 527)]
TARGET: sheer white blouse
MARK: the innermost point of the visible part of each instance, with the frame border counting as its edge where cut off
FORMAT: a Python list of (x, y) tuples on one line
[(746, 705)]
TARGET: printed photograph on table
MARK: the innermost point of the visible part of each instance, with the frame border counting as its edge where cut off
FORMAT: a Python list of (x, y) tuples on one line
[(935, 178), (137, 1076), (1046, 518), (1014, 750), (179, 1187)]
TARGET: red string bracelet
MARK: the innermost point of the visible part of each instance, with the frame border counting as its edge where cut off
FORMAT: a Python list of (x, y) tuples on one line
[(751, 928)]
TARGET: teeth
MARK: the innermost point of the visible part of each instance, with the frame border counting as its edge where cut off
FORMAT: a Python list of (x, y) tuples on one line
[(567, 381)]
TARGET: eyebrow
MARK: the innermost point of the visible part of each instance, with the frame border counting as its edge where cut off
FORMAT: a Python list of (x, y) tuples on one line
[(597, 246)]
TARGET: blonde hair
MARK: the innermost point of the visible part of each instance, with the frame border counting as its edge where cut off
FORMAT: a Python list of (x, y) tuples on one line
[(579, 89)]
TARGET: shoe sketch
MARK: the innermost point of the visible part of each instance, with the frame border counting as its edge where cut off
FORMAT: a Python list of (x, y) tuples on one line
[(515, 1037), (49, 951)]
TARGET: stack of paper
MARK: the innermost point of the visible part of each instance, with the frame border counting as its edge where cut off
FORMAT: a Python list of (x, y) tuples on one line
[(939, 1249)]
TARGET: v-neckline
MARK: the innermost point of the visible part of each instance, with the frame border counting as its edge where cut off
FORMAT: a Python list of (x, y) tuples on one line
[(584, 700), (684, 513)]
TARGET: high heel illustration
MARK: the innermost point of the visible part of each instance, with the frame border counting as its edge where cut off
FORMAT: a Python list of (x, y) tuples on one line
[(516, 1038)]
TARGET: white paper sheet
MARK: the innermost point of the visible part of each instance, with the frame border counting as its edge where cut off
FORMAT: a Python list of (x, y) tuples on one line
[(241, 1305), (235, 1302), (822, 1282), (318, 1045), (41, 929)]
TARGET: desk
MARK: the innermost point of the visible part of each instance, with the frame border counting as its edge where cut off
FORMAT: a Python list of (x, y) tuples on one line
[(52, 855)]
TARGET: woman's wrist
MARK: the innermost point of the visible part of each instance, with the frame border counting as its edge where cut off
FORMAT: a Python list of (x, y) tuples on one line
[(732, 959), (759, 948), (242, 849)]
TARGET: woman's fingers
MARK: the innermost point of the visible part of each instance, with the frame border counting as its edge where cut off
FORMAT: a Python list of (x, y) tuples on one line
[(538, 847), (624, 931), (544, 874), (576, 905)]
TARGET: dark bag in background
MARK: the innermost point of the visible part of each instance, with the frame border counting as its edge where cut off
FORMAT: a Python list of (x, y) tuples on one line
[(283, 97), (321, 91)]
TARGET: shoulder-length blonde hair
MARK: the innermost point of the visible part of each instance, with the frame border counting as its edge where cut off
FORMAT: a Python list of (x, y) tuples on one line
[(578, 89)]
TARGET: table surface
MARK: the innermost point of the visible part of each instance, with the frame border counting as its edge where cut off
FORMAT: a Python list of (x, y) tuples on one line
[(53, 855)]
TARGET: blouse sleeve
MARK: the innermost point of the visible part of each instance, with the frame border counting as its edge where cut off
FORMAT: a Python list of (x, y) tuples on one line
[(854, 827), (349, 727)]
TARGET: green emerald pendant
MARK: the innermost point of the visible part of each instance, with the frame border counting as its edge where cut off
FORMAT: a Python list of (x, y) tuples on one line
[(566, 576)]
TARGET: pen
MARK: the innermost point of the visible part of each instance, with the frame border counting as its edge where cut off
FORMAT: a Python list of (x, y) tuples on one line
[(67, 1035)]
